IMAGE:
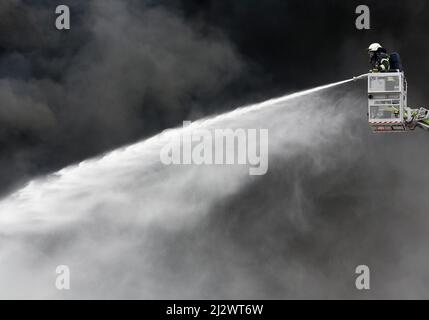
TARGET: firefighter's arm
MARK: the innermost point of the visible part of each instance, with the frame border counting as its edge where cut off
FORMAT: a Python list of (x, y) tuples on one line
[(384, 64)]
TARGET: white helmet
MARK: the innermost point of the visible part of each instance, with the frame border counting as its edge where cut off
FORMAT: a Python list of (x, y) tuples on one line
[(374, 47)]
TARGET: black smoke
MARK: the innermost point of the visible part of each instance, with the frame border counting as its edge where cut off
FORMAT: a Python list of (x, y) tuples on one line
[(125, 70)]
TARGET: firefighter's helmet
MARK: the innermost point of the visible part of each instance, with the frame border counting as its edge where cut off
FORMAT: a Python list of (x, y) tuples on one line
[(374, 47)]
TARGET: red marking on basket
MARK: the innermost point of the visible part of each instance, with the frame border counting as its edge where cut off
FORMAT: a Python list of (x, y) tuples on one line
[(384, 122)]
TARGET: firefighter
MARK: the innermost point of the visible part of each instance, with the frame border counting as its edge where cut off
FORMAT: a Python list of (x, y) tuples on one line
[(378, 58)]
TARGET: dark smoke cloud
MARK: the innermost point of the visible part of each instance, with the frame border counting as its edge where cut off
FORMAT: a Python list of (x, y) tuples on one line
[(125, 70)]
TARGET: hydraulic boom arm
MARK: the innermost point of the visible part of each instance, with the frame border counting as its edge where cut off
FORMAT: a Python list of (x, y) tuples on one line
[(417, 117)]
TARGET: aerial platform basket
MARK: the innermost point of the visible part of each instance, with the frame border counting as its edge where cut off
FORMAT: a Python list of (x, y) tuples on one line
[(387, 100)]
